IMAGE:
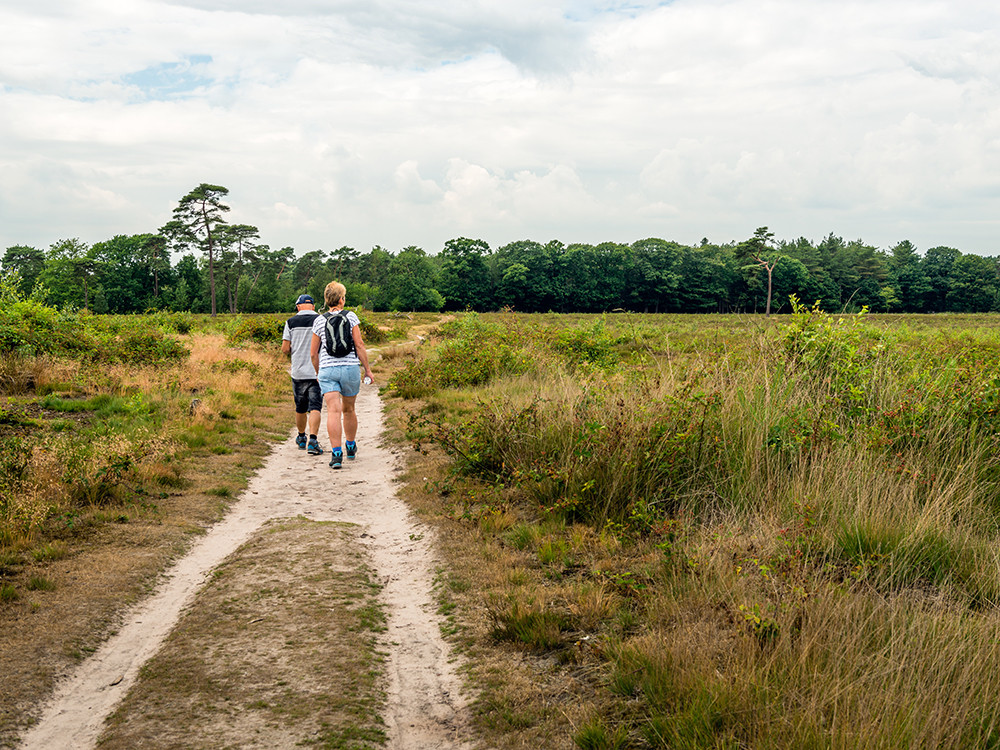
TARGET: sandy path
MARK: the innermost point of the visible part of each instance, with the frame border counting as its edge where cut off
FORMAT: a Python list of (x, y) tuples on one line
[(425, 708)]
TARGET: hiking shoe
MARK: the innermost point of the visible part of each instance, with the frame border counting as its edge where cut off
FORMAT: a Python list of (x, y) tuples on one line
[(314, 449), (336, 459), (352, 451), (300, 440)]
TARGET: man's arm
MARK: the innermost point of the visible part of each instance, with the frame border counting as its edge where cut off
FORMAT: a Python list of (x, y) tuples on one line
[(314, 352), (286, 347)]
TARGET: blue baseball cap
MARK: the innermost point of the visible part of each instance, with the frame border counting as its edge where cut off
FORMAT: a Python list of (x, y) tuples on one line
[(304, 299)]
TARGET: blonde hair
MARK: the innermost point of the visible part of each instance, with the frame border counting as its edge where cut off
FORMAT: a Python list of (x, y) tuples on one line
[(334, 292)]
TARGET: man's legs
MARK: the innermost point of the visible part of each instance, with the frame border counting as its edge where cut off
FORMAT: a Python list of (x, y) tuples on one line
[(314, 406), (300, 416), (300, 391)]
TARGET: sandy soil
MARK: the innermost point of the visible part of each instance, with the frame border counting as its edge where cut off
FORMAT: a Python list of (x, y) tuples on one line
[(425, 708)]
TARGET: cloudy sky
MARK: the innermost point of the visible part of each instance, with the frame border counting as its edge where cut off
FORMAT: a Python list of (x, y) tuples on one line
[(403, 122)]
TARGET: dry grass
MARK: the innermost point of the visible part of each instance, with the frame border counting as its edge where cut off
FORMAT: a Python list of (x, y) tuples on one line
[(205, 423), (841, 594), (112, 542)]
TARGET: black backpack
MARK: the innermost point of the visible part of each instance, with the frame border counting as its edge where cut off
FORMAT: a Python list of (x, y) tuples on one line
[(339, 342)]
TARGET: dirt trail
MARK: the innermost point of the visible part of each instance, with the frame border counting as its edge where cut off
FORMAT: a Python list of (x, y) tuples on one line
[(425, 708)]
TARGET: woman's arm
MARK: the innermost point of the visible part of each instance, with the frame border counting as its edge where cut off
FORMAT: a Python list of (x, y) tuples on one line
[(359, 347)]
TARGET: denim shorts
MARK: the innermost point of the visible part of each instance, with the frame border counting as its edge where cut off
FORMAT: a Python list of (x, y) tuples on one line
[(307, 396), (344, 379)]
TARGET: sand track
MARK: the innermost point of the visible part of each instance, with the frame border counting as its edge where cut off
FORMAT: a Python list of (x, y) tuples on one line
[(425, 708)]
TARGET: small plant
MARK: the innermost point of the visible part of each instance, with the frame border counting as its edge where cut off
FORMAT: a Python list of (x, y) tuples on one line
[(523, 536), (529, 625), (50, 551), (181, 322), (232, 366), (40, 583), (595, 735), (554, 552), (763, 627), (10, 562)]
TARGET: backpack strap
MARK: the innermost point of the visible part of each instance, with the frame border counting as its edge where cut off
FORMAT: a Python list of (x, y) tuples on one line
[(327, 344)]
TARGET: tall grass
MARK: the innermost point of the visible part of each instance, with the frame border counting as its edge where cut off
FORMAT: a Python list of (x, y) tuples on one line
[(99, 408), (823, 495)]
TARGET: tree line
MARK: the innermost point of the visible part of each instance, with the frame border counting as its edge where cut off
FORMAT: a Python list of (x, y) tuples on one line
[(224, 266)]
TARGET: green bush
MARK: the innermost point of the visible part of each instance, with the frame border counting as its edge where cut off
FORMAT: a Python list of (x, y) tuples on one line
[(29, 327), (138, 342), (180, 322), (258, 329), (474, 353), (590, 346), (371, 333)]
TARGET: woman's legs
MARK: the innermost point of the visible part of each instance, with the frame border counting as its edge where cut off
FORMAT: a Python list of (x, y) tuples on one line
[(334, 409), (339, 408), (350, 417)]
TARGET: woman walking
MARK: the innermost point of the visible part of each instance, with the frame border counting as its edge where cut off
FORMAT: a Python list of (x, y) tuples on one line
[(337, 352)]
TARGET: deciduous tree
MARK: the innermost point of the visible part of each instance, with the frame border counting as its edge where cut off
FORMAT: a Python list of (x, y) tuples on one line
[(465, 280), (28, 262)]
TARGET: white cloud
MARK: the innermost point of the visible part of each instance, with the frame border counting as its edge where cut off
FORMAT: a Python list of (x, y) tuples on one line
[(412, 188), (397, 123)]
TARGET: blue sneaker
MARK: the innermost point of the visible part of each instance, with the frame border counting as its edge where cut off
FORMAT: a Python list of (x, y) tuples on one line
[(300, 441), (314, 449), (336, 459), (352, 450)]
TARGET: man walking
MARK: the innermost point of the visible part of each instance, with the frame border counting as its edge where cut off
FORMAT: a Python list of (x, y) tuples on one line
[(295, 343)]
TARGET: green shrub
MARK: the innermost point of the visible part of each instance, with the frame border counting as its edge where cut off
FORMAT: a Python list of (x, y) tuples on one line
[(258, 329), (474, 352), (181, 322), (56, 550), (140, 343), (29, 327), (589, 346), (592, 460), (595, 735), (370, 331), (20, 515), (40, 583)]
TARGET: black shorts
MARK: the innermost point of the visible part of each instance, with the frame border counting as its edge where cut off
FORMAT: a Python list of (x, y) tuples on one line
[(307, 396)]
